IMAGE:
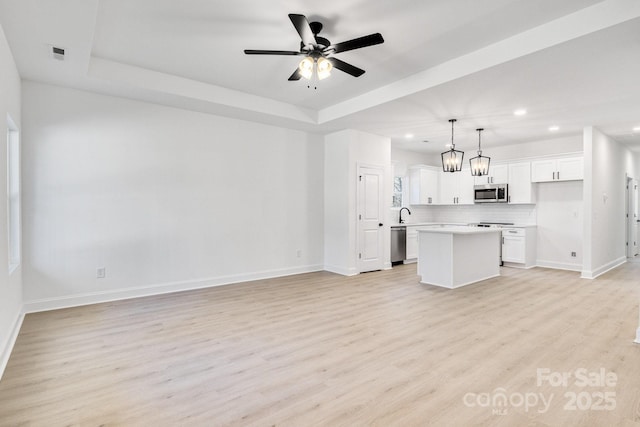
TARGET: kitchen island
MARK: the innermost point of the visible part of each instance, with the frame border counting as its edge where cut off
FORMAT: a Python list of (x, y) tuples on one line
[(454, 256)]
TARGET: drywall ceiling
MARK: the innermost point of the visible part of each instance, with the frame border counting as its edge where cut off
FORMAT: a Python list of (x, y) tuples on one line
[(570, 64)]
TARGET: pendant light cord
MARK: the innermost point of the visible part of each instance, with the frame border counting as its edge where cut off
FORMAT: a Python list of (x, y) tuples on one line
[(452, 144)]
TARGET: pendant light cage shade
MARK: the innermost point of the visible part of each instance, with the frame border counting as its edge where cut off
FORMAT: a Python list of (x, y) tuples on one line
[(452, 159), (479, 164)]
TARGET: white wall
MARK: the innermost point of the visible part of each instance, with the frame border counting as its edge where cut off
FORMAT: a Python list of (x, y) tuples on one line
[(548, 147), (10, 285), (523, 150), (339, 245), (344, 151), (560, 212), (163, 198), (607, 163)]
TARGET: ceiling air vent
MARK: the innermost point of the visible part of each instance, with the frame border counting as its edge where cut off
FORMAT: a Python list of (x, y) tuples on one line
[(58, 52)]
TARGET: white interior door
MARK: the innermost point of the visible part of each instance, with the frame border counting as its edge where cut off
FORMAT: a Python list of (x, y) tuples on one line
[(370, 218)]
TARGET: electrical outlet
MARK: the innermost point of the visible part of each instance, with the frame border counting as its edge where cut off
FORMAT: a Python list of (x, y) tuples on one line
[(101, 273), (573, 254)]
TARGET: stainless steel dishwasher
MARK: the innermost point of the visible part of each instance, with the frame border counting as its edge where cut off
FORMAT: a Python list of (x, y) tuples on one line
[(398, 243)]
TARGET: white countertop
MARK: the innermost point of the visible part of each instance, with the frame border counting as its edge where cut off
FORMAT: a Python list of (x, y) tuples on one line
[(459, 230), (455, 224), (429, 224)]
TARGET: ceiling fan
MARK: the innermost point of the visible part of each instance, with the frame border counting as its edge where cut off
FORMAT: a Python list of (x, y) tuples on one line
[(318, 51)]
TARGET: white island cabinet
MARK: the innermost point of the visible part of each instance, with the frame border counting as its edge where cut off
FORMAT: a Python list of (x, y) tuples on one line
[(451, 257)]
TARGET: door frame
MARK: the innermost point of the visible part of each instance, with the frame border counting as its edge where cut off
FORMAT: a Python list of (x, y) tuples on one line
[(631, 195)]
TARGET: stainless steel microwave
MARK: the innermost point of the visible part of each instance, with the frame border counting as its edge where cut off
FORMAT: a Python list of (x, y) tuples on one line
[(490, 193)]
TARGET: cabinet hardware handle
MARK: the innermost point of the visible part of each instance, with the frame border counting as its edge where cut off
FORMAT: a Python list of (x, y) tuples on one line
[(380, 224), (558, 174)]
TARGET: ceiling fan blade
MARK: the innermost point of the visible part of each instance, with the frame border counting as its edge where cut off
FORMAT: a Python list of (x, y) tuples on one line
[(271, 52), (303, 28), (347, 68), (364, 41), (295, 76)]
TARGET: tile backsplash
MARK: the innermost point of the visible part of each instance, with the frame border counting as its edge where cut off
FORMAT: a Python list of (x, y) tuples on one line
[(518, 214)]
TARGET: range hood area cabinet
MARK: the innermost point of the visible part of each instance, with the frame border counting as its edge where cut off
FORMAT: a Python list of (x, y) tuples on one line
[(424, 185), (498, 174), (558, 169), (456, 188)]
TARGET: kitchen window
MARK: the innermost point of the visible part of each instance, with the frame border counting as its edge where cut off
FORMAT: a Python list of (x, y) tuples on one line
[(398, 186)]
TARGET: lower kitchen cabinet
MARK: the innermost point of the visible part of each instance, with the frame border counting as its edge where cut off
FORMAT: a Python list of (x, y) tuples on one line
[(519, 247), (412, 243)]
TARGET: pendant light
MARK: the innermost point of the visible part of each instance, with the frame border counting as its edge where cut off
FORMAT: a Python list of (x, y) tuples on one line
[(452, 159), (479, 164)]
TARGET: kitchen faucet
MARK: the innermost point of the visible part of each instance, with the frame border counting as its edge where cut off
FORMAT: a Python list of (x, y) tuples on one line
[(402, 220)]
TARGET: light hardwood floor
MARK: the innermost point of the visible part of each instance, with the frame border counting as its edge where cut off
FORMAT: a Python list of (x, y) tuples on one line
[(320, 349)]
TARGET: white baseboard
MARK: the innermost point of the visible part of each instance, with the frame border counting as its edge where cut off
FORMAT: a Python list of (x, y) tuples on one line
[(637, 341), (7, 348), (459, 285), (340, 270), (603, 269), (67, 301), (518, 265), (559, 265)]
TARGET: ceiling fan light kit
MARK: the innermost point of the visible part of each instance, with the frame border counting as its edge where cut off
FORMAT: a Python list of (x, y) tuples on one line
[(323, 68), (318, 51), (306, 68)]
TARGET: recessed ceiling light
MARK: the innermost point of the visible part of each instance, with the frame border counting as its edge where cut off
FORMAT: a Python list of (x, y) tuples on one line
[(636, 129), (409, 135), (520, 112), (554, 128)]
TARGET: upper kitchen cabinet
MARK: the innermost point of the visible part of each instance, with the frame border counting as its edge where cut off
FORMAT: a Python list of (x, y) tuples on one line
[(498, 174), (456, 188), (560, 169), (520, 186), (424, 185)]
